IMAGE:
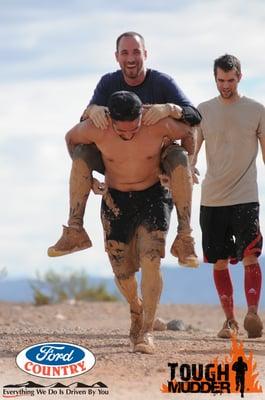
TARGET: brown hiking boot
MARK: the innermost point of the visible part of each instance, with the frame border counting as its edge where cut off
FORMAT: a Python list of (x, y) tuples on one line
[(183, 249), (72, 239), (145, 344), (136, 325), (253, 325), (229, 329)]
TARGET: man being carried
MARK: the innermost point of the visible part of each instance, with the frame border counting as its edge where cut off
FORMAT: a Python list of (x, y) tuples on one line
[(152, 87), (136, 208)]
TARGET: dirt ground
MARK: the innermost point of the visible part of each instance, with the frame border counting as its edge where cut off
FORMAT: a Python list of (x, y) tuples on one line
[(103, 329)]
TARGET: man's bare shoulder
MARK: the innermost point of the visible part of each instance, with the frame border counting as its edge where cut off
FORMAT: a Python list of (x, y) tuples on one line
[(87, 127), (86, 132), (169, 124), (169, 127)]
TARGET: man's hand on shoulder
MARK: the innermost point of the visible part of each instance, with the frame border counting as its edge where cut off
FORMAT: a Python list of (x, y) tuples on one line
[(97, 114), (156, 112)]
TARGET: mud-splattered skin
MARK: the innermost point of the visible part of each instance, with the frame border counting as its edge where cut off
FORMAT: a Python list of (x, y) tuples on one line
[(135, 226), (130, 164), (136, 208)]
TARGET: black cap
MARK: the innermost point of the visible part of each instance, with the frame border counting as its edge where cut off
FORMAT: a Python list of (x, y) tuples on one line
[(124, 106)]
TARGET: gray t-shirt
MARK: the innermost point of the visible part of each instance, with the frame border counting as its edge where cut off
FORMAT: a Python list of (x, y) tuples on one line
[(231, 134)]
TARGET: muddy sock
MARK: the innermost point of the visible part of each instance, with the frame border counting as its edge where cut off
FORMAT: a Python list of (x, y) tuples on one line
[(253, 280), (224, 288)]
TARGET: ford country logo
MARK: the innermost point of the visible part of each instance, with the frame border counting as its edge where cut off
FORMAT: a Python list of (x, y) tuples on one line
[(53, 360)]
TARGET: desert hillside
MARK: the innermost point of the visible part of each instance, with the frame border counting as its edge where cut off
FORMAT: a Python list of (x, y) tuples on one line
[(103, 329)]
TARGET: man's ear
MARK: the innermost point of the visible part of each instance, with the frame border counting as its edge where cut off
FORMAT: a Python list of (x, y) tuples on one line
[(116, 56)]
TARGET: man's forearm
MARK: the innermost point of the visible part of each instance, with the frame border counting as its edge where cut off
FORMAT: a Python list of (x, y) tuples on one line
[(188, 114), (191, 115), (188, 142)]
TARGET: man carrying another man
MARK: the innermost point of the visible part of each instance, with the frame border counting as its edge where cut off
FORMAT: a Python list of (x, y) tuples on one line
[(136, 208)]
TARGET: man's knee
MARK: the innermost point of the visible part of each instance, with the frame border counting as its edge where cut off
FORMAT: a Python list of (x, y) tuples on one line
[(220, 265), (122, 262), (91, 155), (172, 157), (250, 260), (150, 260)]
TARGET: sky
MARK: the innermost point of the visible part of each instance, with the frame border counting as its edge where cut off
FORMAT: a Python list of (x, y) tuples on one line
[(52, 56)]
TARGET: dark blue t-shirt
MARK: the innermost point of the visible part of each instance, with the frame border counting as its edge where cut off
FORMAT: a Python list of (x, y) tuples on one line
[(157, 88)]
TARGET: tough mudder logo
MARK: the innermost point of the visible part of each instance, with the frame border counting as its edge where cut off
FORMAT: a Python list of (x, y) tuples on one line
[(236, 374)]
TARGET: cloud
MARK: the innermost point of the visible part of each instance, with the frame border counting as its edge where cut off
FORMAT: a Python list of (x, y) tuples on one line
[(52, 58)]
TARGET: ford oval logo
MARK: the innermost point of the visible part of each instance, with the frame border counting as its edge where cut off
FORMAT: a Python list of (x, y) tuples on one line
[(55, 360)]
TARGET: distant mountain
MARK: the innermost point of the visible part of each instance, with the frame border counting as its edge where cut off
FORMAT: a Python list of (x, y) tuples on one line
[(28, 384), (181, 286), (99, 385), (58, 385), (31, 384), (79, 385), (195, 286)]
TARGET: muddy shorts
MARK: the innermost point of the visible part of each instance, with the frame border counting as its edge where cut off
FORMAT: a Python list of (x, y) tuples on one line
[(230, 232), (135, 224)]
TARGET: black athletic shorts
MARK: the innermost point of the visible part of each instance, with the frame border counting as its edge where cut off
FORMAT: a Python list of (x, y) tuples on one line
[(230, 232), (126, 211), (135, 227)]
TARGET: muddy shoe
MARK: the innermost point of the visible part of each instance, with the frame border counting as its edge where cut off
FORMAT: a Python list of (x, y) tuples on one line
[(71, 240), (183, 249), (136, 325), (253, 325), (229, 329), (145, 344)]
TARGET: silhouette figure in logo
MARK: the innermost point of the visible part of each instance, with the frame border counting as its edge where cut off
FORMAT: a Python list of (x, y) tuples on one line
[(240, 367)]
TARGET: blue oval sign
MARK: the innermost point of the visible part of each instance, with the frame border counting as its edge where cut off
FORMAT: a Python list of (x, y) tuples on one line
[(55, 359), (55, 354)]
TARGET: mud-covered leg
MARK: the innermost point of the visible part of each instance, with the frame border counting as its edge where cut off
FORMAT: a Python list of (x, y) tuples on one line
[(175, 163), (151, 247), (128, 288), (74, 238), (123, 260)]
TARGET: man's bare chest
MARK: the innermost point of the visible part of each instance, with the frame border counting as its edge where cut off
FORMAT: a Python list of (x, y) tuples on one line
[(139, 148)]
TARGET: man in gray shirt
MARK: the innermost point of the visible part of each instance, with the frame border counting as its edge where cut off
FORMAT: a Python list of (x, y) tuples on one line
[(232, 126)]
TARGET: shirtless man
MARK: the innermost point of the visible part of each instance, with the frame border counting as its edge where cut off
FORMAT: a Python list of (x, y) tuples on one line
[(135, 209), (165, 98)]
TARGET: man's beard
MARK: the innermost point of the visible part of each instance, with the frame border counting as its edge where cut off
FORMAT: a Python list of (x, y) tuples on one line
[(227, 95), (131, 73)]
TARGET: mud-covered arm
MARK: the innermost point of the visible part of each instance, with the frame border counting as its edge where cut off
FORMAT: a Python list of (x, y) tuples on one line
[(198, 138), (178, 104), (83, 133), (189, 142), (188, 114), (179, 130)]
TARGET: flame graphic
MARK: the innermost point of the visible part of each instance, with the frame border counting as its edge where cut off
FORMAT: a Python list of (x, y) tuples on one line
[(252, 384)]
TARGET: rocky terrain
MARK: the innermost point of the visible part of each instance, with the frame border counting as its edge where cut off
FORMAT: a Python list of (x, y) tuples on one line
[(103, 329)]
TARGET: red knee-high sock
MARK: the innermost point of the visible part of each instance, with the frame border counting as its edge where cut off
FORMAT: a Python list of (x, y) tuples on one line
[(224, 288), (253, 280)]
